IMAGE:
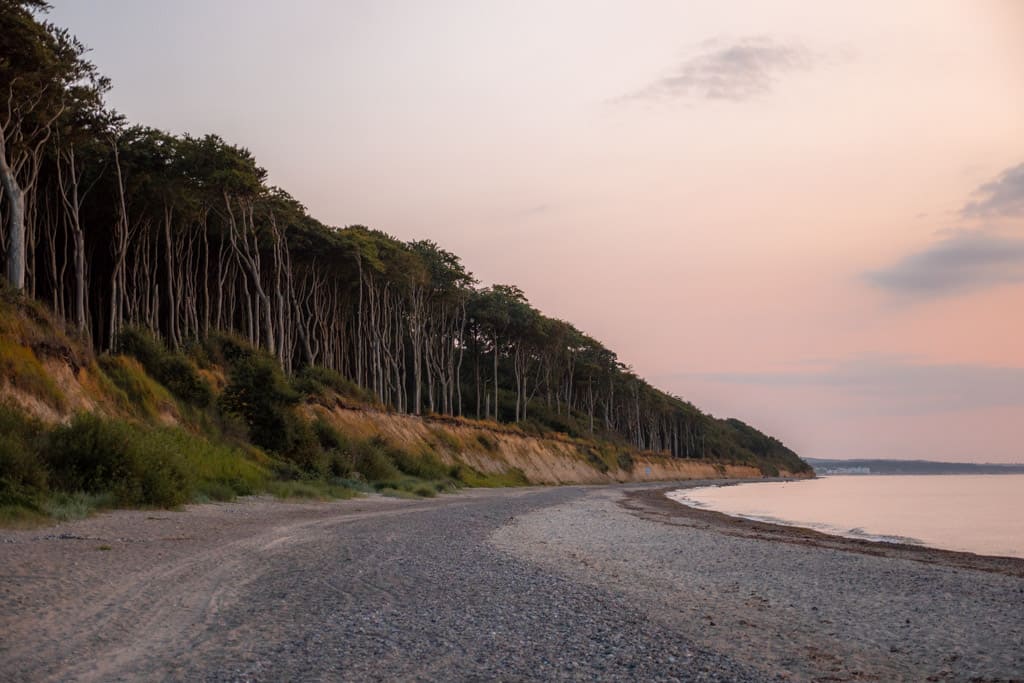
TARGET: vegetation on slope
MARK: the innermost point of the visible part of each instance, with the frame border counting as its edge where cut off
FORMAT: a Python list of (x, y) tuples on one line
[(174, 251)]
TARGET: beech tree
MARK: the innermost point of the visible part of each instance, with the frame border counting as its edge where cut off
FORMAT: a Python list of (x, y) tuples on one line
[(118, 225)]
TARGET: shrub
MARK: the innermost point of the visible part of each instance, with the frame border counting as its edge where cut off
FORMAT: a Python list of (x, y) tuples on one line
[(371, 460), (20, 366), (96, 455), (489, 443), (470, 477), (258, 392), (596, 461), (625, 461), (174, 370), (316, 490), (139, 390), (314, 380), (337, 450), (445, 438), (423, 465), (20, 464), (225, 348), (218, 471), (180, 376)]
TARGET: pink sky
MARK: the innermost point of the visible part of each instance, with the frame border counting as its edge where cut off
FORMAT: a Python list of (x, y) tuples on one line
[(806, 215)]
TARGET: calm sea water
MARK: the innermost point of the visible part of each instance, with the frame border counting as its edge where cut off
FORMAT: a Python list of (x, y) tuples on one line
[(981, 514)]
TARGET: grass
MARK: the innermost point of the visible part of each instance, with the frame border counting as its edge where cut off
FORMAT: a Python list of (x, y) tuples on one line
[(472, 478), (312, 490), (447, 439), (139, 393), (20, 366), (487, 442), (66, 506)]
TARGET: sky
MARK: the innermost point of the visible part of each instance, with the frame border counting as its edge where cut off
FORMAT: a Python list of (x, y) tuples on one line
[(806, 215)]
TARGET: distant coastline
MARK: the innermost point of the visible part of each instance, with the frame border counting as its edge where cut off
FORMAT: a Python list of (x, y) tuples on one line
[(877, 466)]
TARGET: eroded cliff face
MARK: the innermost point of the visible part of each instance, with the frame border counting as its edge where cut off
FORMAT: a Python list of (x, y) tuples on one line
[(52, 376), (492, 449), (485, 447)]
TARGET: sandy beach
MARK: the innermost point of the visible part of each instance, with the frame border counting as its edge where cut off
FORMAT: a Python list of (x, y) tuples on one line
[(568, 583)]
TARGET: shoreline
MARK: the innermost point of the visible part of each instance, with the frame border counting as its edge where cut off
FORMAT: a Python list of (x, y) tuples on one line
[(795, 603), (533, 583), (657, 506)]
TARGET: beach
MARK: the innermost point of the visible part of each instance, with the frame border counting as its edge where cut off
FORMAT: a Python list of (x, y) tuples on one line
[(564, 583)]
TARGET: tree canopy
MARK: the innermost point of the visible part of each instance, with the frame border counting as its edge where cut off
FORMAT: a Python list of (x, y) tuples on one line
[(117, 225)]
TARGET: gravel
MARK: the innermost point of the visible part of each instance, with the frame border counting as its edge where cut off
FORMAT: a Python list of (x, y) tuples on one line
[(375, 589)]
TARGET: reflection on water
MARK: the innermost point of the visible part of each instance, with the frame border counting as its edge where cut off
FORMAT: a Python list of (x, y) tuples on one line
[(975, 513)]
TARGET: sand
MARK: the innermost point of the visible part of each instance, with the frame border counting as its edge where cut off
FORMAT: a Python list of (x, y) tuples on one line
[(792, 602), (561, 583)]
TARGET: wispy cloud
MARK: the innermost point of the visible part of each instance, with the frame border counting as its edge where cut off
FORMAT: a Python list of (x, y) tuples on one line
[(965, 262), (1004, 196), (969, 259), (736, 70), (897, 385)]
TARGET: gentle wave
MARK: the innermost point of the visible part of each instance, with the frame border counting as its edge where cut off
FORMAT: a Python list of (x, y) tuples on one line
[(972, 513)]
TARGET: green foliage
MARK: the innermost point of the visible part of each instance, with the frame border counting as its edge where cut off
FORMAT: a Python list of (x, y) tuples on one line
[(370, 459), (423, 465), (312, 490), (96, 455), (217, 471), (595, 459), (62, 506), (140, 392), (625, 461), (471, 477), (20, 366), (339, 460), (315, 381), (19, 447), (172, 369), (444, 437), (258, 392)]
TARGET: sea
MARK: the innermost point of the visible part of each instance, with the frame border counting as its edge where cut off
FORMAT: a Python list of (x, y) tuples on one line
[(977, 513)]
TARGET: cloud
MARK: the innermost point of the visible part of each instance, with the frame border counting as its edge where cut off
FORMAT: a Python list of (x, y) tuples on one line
[(1004, 196), (965, 262), (895, 385), (734, 71)]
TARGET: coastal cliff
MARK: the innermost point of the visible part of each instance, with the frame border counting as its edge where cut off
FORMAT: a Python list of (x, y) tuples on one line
[(150, 426)]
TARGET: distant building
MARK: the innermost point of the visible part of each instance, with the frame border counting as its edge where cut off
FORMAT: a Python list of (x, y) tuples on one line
[(845, 470)]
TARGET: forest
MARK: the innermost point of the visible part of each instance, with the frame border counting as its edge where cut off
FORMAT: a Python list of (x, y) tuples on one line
[(118, 227)]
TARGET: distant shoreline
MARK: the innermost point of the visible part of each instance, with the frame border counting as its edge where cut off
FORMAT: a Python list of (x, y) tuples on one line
[(864, 466)]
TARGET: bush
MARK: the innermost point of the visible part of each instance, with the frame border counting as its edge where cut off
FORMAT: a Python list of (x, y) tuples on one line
[(218, 471), (174, 370), (371, 460), (470, 477), (314, 380), (337, 450), (625, 461), (140, 391), (423, 465), (182, 378), (96, 455), (489, 443), (226, 349), (20, 463), (20, 366), (597, 461), (258, 392)]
